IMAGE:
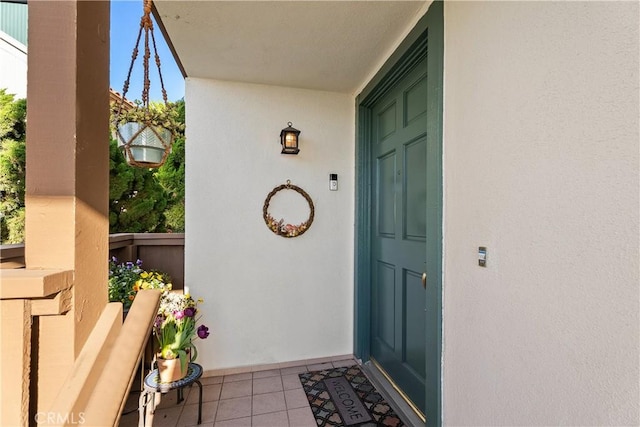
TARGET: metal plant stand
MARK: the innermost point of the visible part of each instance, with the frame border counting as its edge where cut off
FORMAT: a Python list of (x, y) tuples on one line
[(152, 387)]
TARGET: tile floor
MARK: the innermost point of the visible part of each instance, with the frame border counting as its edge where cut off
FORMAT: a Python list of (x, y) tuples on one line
[(268, 398)]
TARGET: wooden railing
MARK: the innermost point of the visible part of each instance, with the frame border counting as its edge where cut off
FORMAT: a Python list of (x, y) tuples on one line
[(100, 380), (158, 251), (25, 295), (94, 387), (96, 391)]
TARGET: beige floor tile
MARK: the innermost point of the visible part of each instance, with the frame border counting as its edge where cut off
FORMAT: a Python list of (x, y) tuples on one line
[(266, 367), (274, 419), (237, 370), (294, 370), (209, 393), (320, 366), (315, 361), (344, 363), (238, 377), (236, 389), (267, 385), (291, 381), (296, 398), (234, 408), (167, 417), (342, 357), (189, 416), (268, 402), (211, 380), (266, 374), (301, 417), (169, 400), (238, 422)]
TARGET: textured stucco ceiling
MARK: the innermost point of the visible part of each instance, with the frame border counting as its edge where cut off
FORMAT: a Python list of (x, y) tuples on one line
[(323, 45)]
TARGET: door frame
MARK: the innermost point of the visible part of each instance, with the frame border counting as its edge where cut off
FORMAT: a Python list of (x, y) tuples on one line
[(412, 49)]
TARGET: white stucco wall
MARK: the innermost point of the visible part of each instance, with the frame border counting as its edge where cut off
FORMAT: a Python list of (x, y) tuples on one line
[(269, 299), (13, 66), (541, 167)]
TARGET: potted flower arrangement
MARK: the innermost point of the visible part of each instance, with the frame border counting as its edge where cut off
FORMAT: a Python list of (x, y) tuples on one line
[(127, 278), (175, 329), (145, 133)]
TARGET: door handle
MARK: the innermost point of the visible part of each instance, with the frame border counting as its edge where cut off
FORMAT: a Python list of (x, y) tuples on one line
[(424, 280)]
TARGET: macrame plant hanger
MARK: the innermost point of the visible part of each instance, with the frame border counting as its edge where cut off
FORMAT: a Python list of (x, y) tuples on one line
[(147, 142)]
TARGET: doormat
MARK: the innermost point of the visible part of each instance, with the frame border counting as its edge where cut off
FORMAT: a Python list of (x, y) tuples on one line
[(345, 397)]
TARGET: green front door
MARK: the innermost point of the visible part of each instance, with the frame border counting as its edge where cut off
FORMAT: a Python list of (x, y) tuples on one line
[(399, 220)]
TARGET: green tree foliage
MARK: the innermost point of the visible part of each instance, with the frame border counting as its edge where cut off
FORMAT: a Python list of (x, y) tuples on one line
[(136, 199), (171, 177), (13, 115)]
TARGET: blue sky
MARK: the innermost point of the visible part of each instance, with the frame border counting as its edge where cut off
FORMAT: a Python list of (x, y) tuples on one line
[(125, 23)]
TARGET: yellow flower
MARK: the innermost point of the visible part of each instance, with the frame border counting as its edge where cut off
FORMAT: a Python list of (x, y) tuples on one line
[(136, 286), (159, 276), (200, 300), (144, 274), (187, 295)]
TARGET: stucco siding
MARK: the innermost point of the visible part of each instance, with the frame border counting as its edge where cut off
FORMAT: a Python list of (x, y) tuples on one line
[(541, 167), (269, 299)]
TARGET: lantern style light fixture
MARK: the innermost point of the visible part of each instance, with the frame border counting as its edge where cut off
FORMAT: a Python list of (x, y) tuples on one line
[(289, 140)]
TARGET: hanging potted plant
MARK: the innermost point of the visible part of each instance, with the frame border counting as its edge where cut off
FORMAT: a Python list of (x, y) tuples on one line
[(175, 329), (145, 135), (145, 132)]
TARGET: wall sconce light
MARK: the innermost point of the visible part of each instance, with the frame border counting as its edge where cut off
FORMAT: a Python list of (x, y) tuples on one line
[(289, 140)]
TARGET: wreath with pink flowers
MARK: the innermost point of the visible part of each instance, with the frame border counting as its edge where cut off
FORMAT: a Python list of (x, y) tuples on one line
[(281, 227)]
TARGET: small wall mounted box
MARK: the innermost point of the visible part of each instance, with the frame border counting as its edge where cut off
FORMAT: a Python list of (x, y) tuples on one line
[(482, 256), (333, 181)]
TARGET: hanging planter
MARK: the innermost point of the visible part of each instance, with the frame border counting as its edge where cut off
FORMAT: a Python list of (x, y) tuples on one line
[(146, 132), (145, 136)]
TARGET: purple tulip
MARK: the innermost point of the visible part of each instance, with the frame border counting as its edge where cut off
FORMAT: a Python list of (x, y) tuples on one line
[(178, 314), (159, 320), (190, 311), (203, 332)]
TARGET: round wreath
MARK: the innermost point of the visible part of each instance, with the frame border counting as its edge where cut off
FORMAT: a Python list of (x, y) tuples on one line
[(280, 227)]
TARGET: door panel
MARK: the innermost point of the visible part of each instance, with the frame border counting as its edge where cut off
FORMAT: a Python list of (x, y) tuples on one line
[(387, 121), (415, 323), (385, 297), (386, 208), (415, 197), (415, 100)]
